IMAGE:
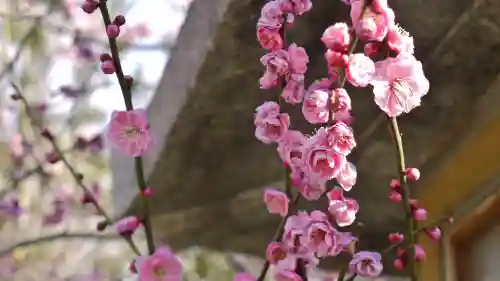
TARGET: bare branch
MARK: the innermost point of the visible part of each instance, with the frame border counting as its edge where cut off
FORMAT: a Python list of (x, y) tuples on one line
[(55, 237)]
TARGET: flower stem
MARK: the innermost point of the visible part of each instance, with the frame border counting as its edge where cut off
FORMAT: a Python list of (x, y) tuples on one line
[(58, 236), (76, 176), (410, 223), (127, 97)]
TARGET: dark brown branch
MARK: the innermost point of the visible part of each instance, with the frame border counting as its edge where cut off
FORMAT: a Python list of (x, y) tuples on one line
[(127, 97)]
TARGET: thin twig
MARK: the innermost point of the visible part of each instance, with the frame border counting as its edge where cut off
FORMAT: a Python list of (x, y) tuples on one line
[(76, 176), (410, 224), (127, 97), (58, 236)]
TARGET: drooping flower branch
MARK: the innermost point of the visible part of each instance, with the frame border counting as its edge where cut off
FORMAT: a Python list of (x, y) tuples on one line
[(128, 132), (398, 84)]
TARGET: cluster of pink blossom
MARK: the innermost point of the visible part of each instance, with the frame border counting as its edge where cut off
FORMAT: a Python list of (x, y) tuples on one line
[(398, 84)]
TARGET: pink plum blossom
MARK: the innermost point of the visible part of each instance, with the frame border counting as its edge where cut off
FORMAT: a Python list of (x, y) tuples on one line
[(269, 38), (335, 61), (320, 160), (366, 264), (277, 65), (162, 265), (310, 188), (287, 275), (340, 103), (294, 90), (276, 201), (128, 132), (315, 106), (127, 225), (343, 209), (298, 59), (372, 49), (297, 7), (271, 16), (276, 252), (341, 138), (282, 63), (372, 23), (399, 84), (320, 235), (290, 146), (265, 111), (337, 37), (271, 125), (320, 102), (347, 176), (294, 228), (400, 41), (360, 70)]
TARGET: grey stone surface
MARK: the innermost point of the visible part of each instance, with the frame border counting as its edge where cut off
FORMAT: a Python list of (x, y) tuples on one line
[(207, 169)]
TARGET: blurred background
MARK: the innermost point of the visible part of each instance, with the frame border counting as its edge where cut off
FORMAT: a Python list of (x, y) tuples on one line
[(50, 50)]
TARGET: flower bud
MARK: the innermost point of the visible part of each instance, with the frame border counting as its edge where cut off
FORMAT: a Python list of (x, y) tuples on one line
[(395, 238), (434, 233), (413, 174), (119, 20), (419, 253), (147, 192), (89, 6), (104, 57), (129, 81), (395, 197), (113, 31), (420, 214), (107, 67), (399, 264)]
